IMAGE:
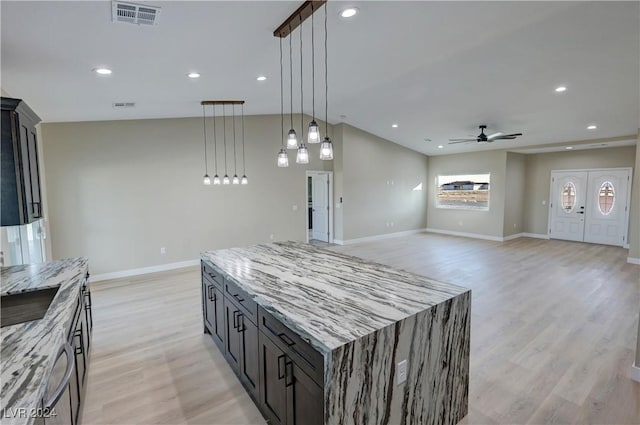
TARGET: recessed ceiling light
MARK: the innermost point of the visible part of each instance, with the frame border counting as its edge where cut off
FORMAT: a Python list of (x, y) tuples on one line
[(440, 147), (193, 75), (394, 125), (349, 12), (261, 78), (592, 127), (560, 89), (568, 148), (102, 71)]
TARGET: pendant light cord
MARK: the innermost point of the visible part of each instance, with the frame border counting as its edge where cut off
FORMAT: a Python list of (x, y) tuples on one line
[(235, 161), (301, 91), (281, 99), (313, 69), (204, 131), (244, 169), (326, 78), (224, 133), (215, 142), (291, 75)]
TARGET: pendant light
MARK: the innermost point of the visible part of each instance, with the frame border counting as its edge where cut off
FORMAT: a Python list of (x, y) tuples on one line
[(225, 179), (292, 138), (302, 156), (283, 158), (206, 179), (216, 178), (314, 132), (244, 179), (235, 180), (326, 148)]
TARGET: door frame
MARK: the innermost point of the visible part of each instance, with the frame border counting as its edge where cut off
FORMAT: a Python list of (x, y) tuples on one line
[(628, 206), (312, 173)]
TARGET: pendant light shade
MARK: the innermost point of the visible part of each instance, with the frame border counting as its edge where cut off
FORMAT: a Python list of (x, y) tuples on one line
[(303, 155), (207, 180), (326, 149), (283, 159), (244, 180), (216, 180), (314, 133), (292, 140), (225, 179), (236, 179)]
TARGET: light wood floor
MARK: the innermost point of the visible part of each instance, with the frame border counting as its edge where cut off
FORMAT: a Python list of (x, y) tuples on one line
[(553, 336)]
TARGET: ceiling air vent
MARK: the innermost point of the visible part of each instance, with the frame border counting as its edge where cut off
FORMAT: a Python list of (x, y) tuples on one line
[(134, 13), (120, 105)]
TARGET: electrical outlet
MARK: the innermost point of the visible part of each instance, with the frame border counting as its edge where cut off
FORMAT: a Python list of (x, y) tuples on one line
[(460, 223), (515, 225), (392, 224), (272, 236), (294, 208), (544, 202), (401, 372), (163, 250)]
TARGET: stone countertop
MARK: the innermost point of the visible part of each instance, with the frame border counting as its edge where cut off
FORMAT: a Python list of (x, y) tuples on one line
[(28, 349), (328, 298)]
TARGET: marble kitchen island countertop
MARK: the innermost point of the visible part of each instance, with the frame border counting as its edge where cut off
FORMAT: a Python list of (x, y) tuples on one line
[(329, 298), (28, 349)]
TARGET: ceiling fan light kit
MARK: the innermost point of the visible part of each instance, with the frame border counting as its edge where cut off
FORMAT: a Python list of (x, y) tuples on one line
[(483, 138)]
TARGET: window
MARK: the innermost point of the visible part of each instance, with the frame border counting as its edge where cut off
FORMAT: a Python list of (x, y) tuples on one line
[(606, 198), (463, 191), (568, 197)]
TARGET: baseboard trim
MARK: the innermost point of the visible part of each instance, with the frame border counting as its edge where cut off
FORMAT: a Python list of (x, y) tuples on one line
[(632, 260), (512, 237), (635, 373), (466, 235), (535, 235), (378, 237), (143, 270)]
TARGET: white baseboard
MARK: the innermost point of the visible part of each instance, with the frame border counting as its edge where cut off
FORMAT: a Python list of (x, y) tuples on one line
[(635, 373), (512, 237), (143, 270), (377, 237), (535, 235), (466, 235), (632, 260)]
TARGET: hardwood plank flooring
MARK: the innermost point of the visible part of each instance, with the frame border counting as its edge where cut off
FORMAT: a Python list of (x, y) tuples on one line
[(552, 336)]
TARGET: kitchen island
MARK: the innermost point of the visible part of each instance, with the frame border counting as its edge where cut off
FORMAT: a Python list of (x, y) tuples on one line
[(318, 337)]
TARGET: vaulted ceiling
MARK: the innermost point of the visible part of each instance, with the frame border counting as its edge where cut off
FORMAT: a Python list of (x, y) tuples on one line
[(436, 69)]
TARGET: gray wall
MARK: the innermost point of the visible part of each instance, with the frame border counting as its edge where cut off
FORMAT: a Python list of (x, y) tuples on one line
[(634, 225), (489, 223), (515, 194), (377, 185), (118, 191), (538, 172), (338, 183)]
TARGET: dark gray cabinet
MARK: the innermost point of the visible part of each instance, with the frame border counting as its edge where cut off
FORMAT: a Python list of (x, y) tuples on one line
[(21, 201), (283, 374)]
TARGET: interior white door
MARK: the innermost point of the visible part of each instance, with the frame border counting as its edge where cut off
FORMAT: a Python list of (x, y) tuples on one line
[(320, 207), (606, 209), (568, 204)]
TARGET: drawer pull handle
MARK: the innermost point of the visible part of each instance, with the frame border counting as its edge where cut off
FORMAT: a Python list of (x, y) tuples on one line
[(288, 374), (281, 375), (235, 319), (286, 339), (238, 297)]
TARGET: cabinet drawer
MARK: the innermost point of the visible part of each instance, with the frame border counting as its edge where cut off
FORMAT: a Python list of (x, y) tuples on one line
[(300, 351), (210, 273), (242, 299)]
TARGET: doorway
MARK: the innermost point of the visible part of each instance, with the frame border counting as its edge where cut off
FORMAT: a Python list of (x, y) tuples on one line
[(590, 205), (319, 206)]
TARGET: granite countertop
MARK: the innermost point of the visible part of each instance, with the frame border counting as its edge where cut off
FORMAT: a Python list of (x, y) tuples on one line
[(328, 298), (28, 349)]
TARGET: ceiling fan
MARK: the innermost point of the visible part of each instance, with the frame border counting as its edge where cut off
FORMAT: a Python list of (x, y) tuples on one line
[(483, 138)]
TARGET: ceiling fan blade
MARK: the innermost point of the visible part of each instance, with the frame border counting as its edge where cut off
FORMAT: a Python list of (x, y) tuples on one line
[(494, 135), (514, 135), (503, 138), (462, 141)]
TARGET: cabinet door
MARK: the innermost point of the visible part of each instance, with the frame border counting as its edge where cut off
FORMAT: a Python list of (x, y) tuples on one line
[(217, 305), (232, 336), (207, 312), (273, 391), (249, 354), (305, 399), (35, 209)]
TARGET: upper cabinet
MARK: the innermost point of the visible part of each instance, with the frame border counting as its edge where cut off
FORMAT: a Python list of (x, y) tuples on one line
[(21, 202)]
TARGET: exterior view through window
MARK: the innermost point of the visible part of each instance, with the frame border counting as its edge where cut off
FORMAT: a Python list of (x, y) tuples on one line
[(606, 198), (463, 191), (568, 197)]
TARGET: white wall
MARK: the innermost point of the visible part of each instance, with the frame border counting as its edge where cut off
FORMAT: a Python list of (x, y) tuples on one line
[(118, 191)]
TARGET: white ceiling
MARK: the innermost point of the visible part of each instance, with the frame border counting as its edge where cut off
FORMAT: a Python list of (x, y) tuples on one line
[(437, 69)]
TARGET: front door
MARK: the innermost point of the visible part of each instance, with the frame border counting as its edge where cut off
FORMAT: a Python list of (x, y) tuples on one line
[(320, 207), (605, 220), (568, 203)]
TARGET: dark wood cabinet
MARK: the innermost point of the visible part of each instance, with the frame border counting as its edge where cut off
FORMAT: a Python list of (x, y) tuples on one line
[(20, 195), (273, 390), (232, 341), (213, 312), (249, 373), (305, 399)]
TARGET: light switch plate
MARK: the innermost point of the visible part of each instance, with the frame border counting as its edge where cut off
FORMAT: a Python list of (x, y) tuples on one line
[(402, 372)]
